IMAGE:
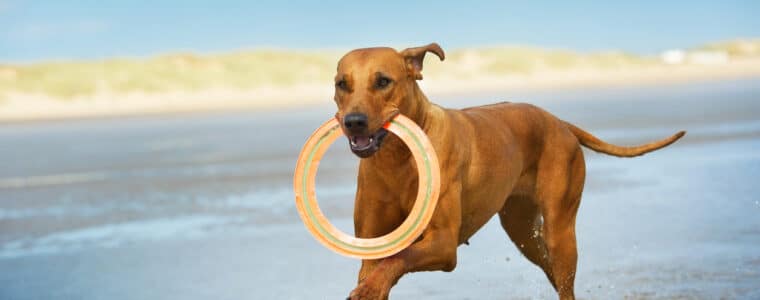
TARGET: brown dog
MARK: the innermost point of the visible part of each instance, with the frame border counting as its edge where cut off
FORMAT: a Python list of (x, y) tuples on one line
[(511, 159)]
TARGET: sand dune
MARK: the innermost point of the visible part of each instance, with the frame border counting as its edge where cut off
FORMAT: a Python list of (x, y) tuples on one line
[(264, 79)]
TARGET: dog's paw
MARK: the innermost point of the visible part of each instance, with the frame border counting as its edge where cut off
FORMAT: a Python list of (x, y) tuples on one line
[(367, 292)]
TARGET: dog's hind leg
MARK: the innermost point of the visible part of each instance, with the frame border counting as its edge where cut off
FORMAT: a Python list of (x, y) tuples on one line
[(521, 220), (559, 185)]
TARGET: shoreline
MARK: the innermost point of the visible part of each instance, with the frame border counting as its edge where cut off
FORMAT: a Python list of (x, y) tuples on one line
[(23, 108)]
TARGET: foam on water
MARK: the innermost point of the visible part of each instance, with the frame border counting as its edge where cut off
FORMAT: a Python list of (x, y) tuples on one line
[(275, 201), (114, 235)]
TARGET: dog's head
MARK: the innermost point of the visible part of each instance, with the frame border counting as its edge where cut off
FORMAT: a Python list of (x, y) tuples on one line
[(371, 87)]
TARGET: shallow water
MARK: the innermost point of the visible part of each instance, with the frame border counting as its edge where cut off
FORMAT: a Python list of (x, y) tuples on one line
[(200, 206)]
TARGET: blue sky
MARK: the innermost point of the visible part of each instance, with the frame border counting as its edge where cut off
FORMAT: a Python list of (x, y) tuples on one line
[(47, 30)]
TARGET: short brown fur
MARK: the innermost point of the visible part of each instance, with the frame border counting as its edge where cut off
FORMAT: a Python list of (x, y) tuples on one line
[(513, 160)]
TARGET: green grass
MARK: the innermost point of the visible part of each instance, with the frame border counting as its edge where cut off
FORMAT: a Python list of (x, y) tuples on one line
[(284, 68)]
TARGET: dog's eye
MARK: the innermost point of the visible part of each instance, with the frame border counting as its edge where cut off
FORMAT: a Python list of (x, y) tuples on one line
[(341, 84), (382, 82)]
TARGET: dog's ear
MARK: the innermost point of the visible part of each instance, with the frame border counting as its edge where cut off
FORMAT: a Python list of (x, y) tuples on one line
[(413, 58)]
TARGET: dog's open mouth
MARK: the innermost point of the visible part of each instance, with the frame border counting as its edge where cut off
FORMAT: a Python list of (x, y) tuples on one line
[(365, 146)]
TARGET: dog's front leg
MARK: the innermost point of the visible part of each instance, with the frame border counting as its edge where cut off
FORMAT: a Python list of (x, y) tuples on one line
[(435, 251)]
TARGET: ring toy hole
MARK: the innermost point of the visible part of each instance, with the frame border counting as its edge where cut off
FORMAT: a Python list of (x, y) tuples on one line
[(370, 248)]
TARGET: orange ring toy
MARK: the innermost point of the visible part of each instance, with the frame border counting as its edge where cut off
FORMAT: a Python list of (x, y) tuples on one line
[(371, 248)]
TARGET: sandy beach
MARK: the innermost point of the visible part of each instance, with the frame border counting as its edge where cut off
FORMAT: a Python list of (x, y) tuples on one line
[(199, 206)]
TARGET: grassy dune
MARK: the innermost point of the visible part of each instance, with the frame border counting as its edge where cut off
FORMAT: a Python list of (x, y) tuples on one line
[(269, 68), (259, 78), (283, 68), (188, 72), (736, 48)]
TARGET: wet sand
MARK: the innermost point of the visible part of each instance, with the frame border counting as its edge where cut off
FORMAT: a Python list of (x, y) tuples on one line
[(200, 207)]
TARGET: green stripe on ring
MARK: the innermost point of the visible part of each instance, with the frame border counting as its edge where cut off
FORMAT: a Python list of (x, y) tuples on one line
[(336, 240)]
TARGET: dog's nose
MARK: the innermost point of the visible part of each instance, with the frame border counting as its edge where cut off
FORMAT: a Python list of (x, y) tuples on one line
[(355, 122)]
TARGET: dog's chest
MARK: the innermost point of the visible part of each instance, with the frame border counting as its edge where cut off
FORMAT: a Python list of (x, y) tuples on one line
[(399, 182)]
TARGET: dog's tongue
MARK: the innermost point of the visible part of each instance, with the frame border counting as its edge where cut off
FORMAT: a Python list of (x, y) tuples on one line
[(361, 141)]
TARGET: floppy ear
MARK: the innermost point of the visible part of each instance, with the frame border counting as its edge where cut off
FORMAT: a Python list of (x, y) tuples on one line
[(413, 58)]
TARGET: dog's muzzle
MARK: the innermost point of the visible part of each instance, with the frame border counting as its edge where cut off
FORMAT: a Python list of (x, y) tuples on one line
[(365, 146)]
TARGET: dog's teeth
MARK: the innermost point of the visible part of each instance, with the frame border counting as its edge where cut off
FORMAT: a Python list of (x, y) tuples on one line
[(371, 140), (353, 142)]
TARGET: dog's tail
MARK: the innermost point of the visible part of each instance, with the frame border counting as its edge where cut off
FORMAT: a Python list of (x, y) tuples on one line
[(594, 143)]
